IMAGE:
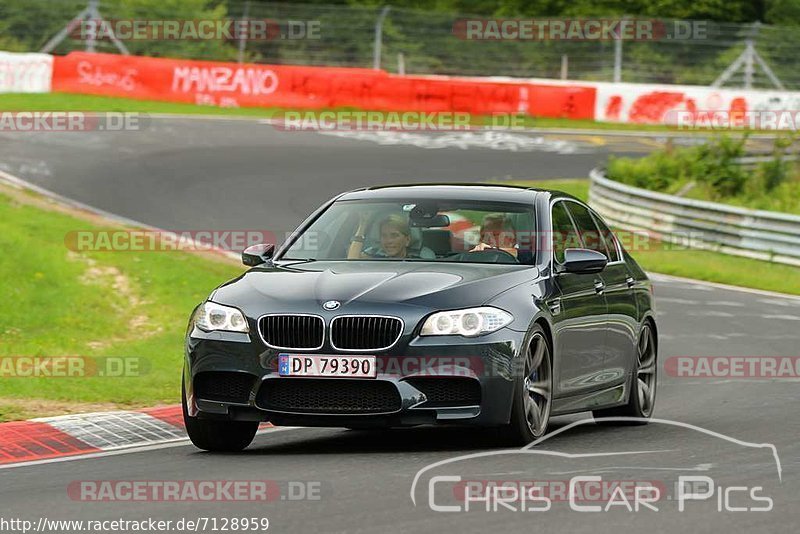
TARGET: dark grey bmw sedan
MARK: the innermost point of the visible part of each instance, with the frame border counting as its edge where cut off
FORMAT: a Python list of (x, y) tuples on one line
[(393, 306)]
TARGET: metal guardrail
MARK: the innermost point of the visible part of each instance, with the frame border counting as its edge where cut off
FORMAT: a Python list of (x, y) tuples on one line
[(762, 235), (752, 161)]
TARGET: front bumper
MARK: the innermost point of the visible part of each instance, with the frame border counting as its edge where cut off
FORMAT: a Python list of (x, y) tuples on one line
[(415, 383)]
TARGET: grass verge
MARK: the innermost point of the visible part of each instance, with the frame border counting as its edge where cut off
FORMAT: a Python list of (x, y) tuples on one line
[(698, 264), (100, 305), (76, 102)]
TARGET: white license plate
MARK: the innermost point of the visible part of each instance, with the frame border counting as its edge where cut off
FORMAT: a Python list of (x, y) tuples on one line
[(326, 366)]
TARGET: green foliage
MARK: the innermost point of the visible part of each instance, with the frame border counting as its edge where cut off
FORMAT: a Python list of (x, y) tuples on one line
[(711, 172), (719, 10), (783, 12), (29, 24), (422, 30), (716, 166), (186, 10)]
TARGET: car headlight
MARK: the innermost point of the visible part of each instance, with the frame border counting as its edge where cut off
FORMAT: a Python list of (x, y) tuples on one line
[(469, 322), (211, 316)]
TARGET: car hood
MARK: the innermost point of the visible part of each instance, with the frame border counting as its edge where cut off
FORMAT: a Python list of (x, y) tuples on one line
[(293, 288)]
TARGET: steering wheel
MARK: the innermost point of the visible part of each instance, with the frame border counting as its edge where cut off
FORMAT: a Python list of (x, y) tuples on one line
[(488, 255)]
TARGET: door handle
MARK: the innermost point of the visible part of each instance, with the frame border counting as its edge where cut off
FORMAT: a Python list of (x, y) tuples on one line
[(630, 281), (599, 286)]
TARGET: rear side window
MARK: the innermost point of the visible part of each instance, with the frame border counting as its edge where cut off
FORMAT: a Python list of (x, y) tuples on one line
[(609, 237), (590, 234), (564, 233)]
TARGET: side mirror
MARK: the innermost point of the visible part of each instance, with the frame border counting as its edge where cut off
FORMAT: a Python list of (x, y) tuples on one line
[(584, 261), (257, 254)]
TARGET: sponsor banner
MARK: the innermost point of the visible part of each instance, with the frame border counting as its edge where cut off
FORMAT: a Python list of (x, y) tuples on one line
[(163, 79), (689, 106), (25, 73), (233, 85), (301, 87)]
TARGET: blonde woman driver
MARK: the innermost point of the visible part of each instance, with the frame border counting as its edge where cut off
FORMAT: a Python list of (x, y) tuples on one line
[(395, 237)]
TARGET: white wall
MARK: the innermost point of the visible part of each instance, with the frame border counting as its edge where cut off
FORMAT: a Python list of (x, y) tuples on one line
[(25, 73)]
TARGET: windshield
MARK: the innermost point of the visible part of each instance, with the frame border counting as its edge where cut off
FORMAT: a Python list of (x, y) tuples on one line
[(419, 230)]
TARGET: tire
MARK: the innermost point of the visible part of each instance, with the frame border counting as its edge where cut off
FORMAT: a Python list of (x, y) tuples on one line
[(643, 384), (533, 392), (215, 435)]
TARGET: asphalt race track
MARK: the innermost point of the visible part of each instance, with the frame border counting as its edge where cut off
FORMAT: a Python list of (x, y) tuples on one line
[(203, 174), (181, 174)]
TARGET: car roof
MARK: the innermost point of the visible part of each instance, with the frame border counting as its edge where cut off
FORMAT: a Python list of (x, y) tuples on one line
[(457, 191)]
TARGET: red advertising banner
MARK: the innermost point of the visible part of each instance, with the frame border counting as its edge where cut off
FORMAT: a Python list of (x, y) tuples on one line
[(252, 85)]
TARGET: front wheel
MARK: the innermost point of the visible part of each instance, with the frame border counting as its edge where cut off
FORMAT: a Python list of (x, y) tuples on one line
[(533, 394), (642, 397), (217, 436)]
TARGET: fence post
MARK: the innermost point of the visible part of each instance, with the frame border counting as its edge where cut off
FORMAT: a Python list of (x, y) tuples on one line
[(376, 50), (244, 34), (91, 39), (747, 61), (749, 58), (618, 55)]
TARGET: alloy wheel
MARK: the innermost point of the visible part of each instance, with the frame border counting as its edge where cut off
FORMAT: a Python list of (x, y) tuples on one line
[(538, 385), (646, 371)]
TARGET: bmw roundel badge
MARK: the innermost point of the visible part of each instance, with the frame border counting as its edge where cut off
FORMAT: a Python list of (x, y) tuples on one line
[(331, 305)]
